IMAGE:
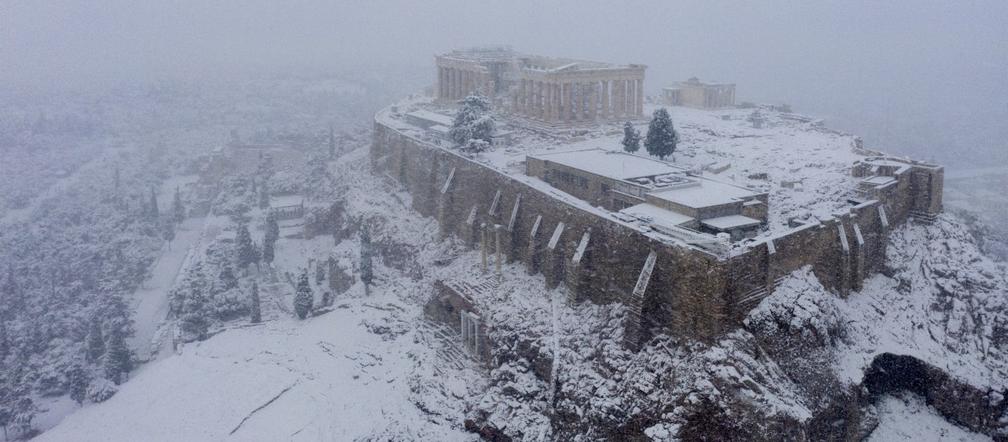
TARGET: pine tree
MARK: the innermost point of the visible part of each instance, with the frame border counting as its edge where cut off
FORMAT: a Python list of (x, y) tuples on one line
[(303, 298), (95, 342), (227, 277), (256, 308), (366, 270), (472, 122), (332, 143), (631, 138), (118, 360), (661, 136), (178, 210), (77, 383), (154, 212), (244, 249)]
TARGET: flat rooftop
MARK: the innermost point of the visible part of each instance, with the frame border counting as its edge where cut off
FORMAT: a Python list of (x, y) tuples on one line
[(610, 164), (706, 193)]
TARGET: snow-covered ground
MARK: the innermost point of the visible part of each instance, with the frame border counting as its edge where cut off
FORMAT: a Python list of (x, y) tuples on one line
[(333, 377), (907, 417)]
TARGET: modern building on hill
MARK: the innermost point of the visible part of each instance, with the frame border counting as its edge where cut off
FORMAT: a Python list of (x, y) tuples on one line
[(666, 196)]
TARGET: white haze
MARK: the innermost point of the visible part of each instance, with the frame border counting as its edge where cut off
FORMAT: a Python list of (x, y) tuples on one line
[(922, 78)]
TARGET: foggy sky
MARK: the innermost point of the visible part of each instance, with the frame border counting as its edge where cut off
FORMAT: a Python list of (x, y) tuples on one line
[(896, 71)]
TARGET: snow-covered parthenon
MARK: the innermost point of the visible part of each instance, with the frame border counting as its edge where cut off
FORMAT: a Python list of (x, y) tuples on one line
[(555, 91)]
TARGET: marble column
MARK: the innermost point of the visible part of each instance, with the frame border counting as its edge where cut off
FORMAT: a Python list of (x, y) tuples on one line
[(631, 98), (522, 95), (640, 98), (530, 90), (549, 103), (593, 101), (530, 111), (605, 100), (563, 102), (616, 96)]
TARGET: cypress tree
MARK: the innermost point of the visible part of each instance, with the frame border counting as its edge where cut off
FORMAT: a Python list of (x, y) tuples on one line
[(178, 210), (303, 298), (154, 212), (95, 342), (264, 199), (661, 136), (272, 228), (255, 308), (267, 251), (244, 249)]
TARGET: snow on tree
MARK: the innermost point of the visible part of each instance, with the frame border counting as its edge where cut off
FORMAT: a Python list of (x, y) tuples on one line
[(194, 303), (472, 121), (100, 390), (255, 308), (95, 342), (227, 277), (178, 209), (631, 138), (475, 146), (303, 299), (245, 253), (366, 270), (153, 207), (661, 136), (118, 360), (77, 382), (16, 406)]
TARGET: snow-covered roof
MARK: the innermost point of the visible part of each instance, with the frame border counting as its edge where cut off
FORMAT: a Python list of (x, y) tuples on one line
[(610, 164), (431, 117), (707, 193), (725, 223), (657, 215)]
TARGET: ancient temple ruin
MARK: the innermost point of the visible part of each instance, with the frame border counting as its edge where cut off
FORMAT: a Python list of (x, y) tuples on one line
[(694, 93)]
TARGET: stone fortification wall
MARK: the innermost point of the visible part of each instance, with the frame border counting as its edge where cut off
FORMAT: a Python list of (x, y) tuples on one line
[(596, 258), (667, 286)]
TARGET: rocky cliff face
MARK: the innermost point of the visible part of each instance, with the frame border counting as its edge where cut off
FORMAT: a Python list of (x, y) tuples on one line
[(808, 365)]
